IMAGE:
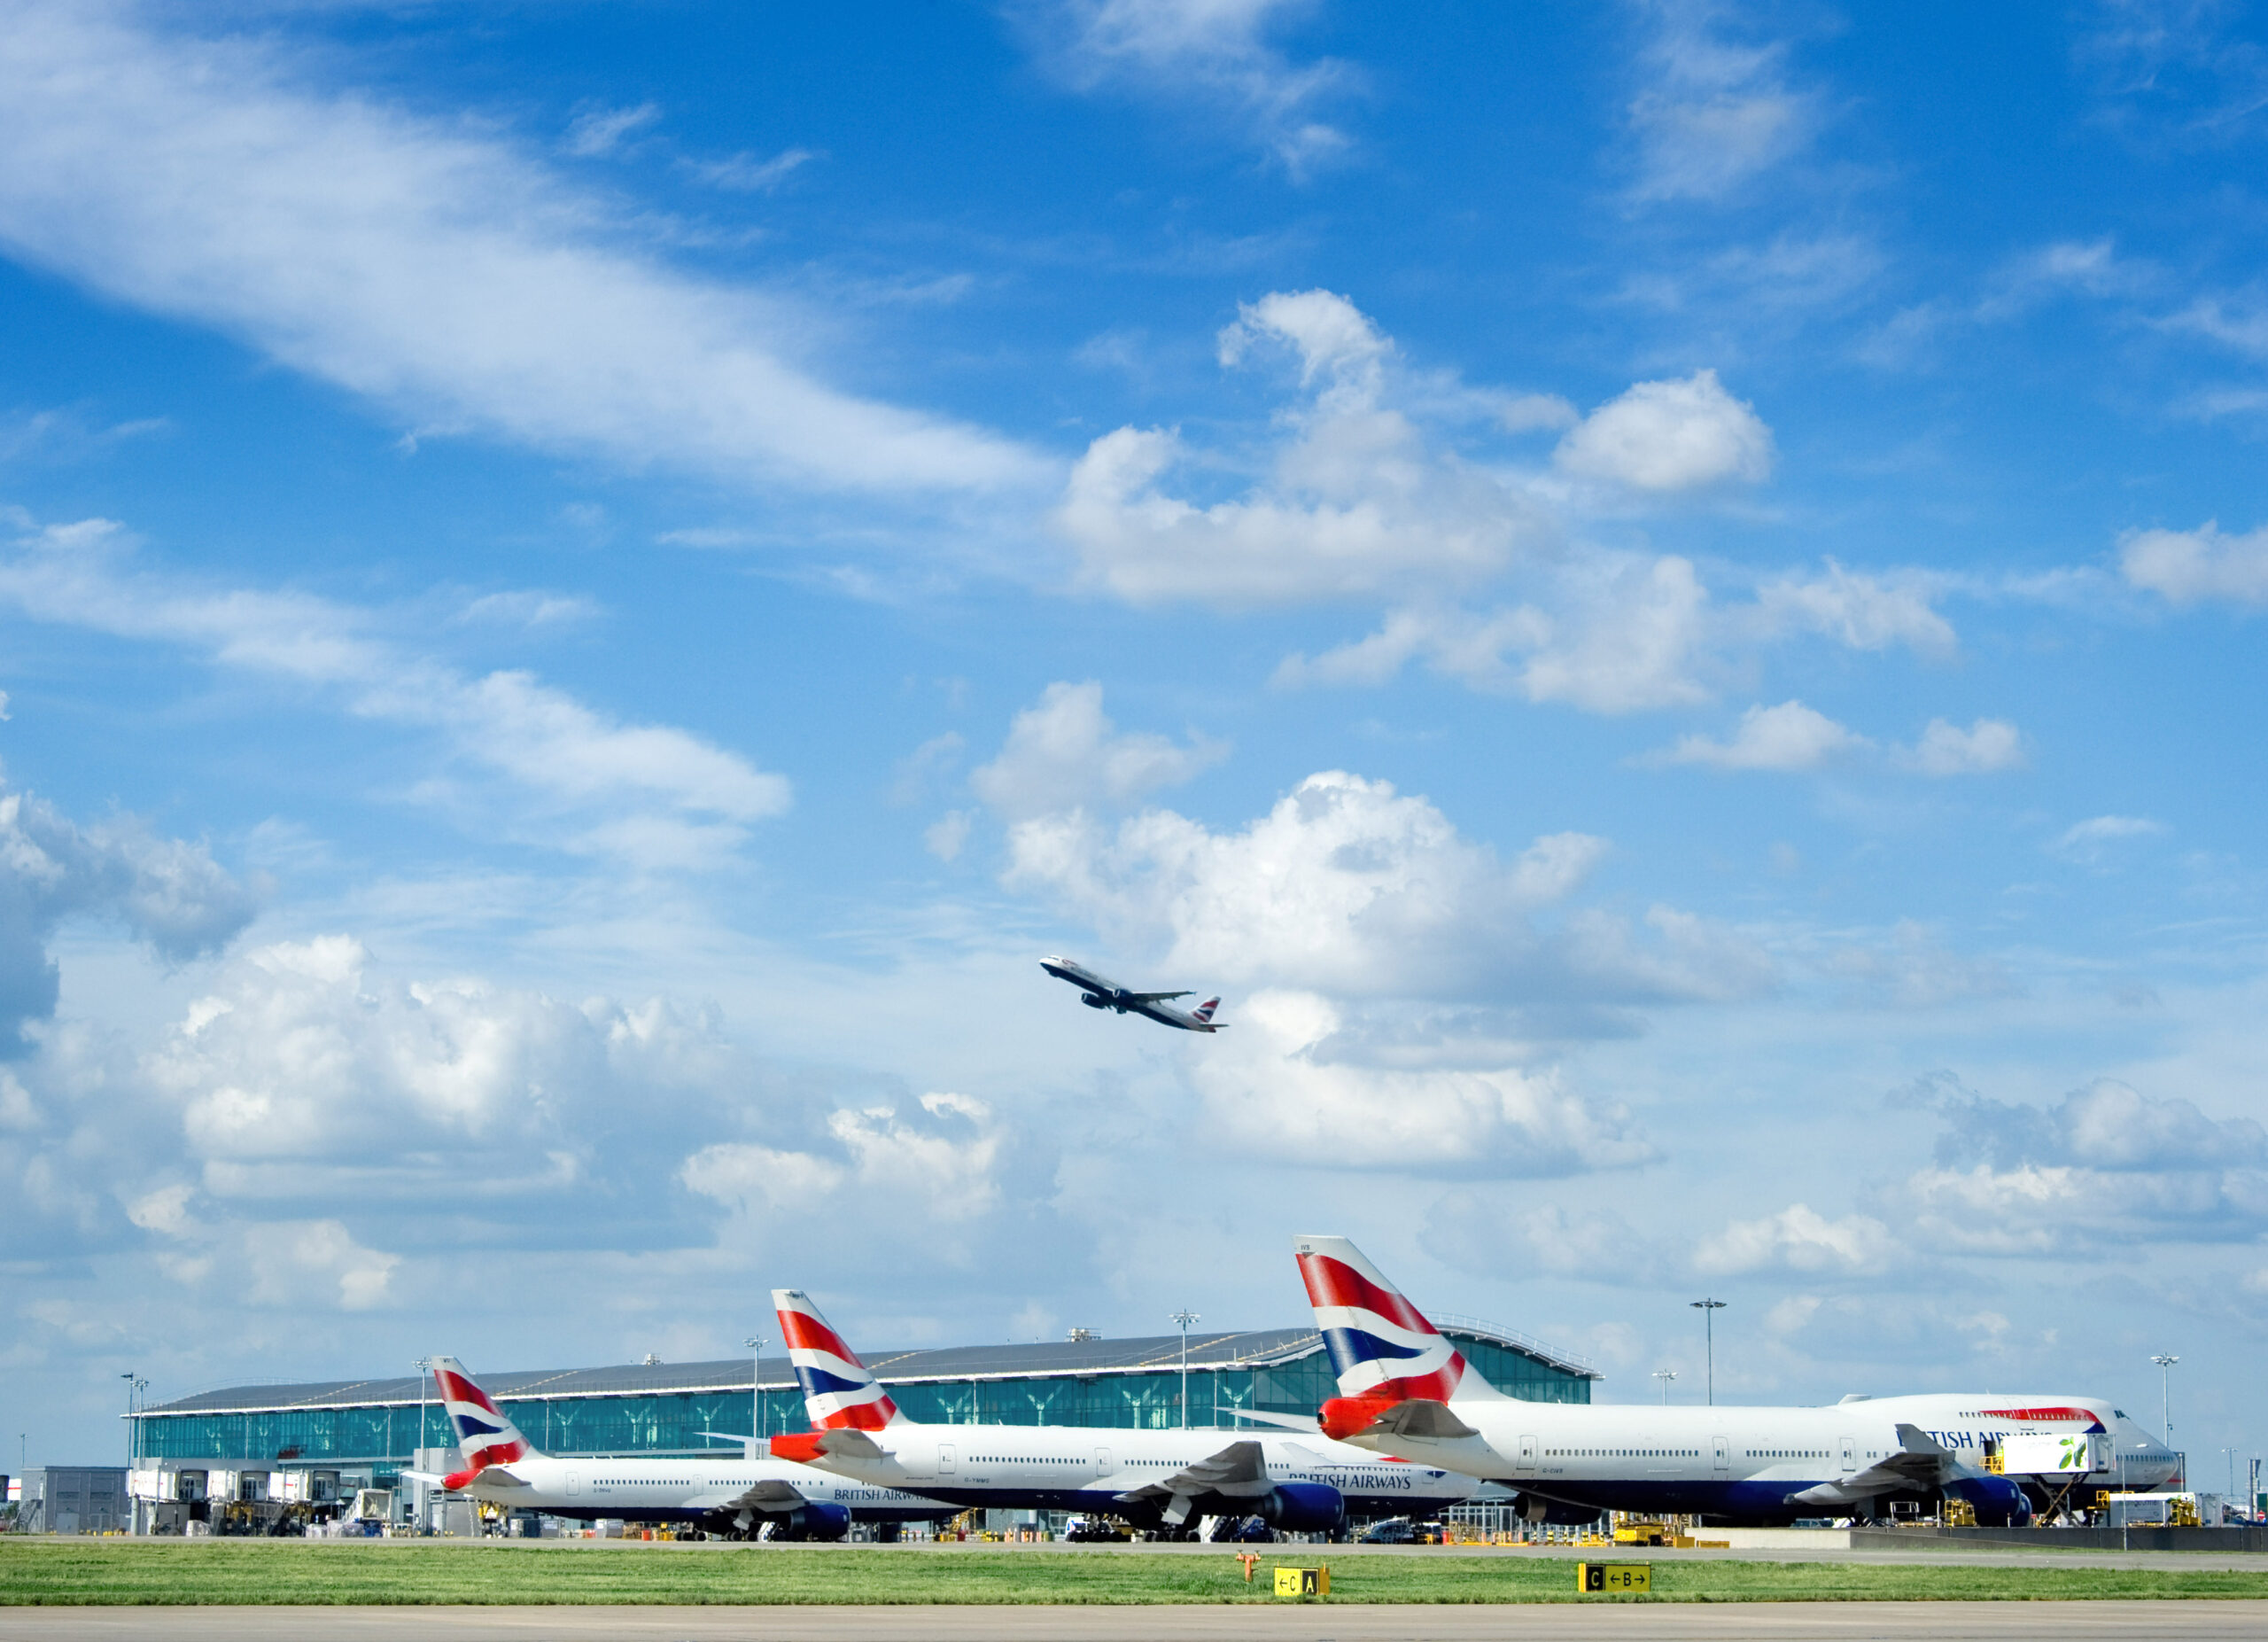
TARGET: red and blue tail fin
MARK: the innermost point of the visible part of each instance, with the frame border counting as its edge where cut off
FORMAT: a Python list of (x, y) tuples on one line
[(1204, 1011), (840, 1392), (485, 1434), (1382, 1349)]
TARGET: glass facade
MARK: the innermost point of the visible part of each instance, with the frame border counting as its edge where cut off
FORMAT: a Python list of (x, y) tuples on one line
[(387, 1435)]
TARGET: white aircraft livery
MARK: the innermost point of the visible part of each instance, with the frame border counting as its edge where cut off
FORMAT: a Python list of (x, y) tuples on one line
[(730, 1495), (1098, 993), (1404, 1388), (1154, 1479)]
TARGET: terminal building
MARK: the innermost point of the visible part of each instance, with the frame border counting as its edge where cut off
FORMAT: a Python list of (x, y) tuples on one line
[(321, 1441)]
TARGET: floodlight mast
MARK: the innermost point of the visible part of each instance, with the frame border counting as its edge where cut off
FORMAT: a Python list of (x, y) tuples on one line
[(1709, 1310), (754, 1345), (1185, 1317), (1666, 1375), (2165, 1360)]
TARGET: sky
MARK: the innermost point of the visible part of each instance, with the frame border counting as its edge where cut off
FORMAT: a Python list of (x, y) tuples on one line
[(1664, 598)]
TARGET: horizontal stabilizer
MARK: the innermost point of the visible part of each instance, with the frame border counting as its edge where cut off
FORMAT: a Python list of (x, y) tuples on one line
[(1421, 1418), (1290, 1423)]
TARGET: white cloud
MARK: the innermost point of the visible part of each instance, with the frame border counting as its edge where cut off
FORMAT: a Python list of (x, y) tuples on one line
[(299, 1264), (1214, 50), (1355, 502), (1714, 114), (651, 793), (1272, 1082), (1863, 611), (2091, 840), (946, 837), (745, 174), (441, 272), (1799, 1238), (1486, 1232), (1348, 888), (1789, 736), (1065, 753), (941, 1167), (2191, 566), (1685, 434), (1912, 969), (1946, 749), (597, 131)]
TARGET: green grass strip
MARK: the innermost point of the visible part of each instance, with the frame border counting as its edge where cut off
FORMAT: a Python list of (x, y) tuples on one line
[(122, 1572)]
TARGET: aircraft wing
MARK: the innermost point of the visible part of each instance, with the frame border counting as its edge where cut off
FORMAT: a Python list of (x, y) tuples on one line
[(851, 1444), (1921, 1461), (1239, 1469), (1421, 1418), (1153, 997), (771, 1494)]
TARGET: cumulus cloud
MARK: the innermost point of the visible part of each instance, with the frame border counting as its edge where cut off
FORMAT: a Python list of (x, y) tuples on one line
[(1348, 888), (1356, 501), (1911, 968), (433, 269), (1945, 749), (1678, 435), (1485, 1232), (1713, 114), (939, 1164), (2107, 1164), (170, 893), (298, 1265), (1215, 51), (651, 793), (1789, 736), (1065, 753), (2191, 566), (1863, 611), (1273, 1082), (1799, 1238)]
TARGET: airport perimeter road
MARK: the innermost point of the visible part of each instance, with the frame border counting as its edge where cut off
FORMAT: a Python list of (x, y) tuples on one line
[(1781, 1622)]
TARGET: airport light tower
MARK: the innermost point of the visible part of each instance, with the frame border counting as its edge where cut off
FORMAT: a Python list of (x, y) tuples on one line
[(2165, 1360), (1709, 1310), (1185, 1317), (754, 1346), (1666, 1375)]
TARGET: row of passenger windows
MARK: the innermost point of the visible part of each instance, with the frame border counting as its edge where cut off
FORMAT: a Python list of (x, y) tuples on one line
[(1626, 1454)]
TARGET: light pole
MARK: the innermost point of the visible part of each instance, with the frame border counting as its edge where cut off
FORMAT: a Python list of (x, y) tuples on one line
[(2165, 1360), (755, 1344), (1184, 1318), (130, 1383), (1709, 1310), (1665, 1375)]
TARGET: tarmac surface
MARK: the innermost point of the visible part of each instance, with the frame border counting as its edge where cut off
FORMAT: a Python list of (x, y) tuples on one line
[(1781, 1622)]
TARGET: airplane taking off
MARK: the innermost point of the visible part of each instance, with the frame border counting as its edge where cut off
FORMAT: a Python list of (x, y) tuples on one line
[(1098, 993), (1406, 1390), (734, 1496), (1154, 1478)]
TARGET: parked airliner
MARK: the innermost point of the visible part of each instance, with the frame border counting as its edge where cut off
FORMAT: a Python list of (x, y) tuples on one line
[(731, 1496), (1155, 1479), (1098, 993), (1406, 1389)]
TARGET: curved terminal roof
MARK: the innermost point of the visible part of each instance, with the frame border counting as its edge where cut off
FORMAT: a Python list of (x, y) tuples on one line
[(1152, 1354)]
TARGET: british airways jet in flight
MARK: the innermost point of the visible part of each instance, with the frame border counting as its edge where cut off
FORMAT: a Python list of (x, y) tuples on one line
[(1405, 1390), (1098, 993), (1165, 1479), (733, 1496)]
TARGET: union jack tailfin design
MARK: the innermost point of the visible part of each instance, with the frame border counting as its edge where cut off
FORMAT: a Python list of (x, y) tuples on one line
[(1382, 1349), (839, 1394), (486, 1437), (1204, 1011)]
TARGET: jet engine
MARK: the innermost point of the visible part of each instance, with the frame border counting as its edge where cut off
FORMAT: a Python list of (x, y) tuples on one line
[(1536, 1508), (1999, 1502), (814, 1520), (1303, 1507), (1092, 1001)]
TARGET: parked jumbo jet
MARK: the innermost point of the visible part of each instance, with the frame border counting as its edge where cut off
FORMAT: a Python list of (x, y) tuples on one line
[(732, 1496), (1098, 993), (1405, 1388), (1156, 1479)]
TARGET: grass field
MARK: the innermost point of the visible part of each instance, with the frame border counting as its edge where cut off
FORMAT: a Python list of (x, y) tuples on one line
[(142, 1572)]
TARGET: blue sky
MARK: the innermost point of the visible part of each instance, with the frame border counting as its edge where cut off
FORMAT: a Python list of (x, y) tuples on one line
[(1664, 598)]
